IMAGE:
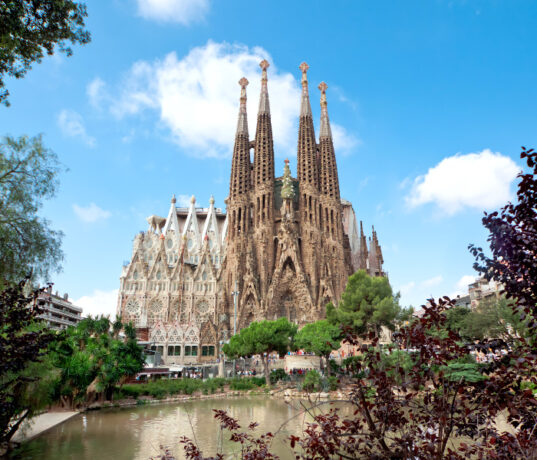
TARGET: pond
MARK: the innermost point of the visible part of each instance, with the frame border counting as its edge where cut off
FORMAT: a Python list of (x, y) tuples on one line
[(137, 432)]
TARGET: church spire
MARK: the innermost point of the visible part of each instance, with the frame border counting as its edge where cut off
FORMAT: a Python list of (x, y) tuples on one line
[(240, 166), (305, 107), (242, 125), (329, 182), (307, 172), (264, 106), (264, 147)]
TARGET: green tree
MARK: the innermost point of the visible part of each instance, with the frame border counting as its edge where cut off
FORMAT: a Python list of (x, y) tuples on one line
[(495, 318), (23, 344), (93, 359), (262, 338), (31, 28), (320, 338), (367, 304), (457, 320), (28, 175)]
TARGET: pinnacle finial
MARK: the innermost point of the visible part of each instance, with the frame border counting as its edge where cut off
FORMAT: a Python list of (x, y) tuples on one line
[(304, 68), (192, 199), (286, 161), (173, 199), (323, 87), (263, 101), (325, 124), (242, 125), (211, 200)]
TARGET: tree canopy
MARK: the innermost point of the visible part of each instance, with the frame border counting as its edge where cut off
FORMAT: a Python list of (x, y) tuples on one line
[(93, 359), (29, 29), (22, 344), (513, 243), (260, 338), (367, 304), (320, 338), (28, 175)]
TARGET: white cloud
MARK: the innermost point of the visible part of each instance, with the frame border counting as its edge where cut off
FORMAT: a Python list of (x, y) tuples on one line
[(180, 11), (435, 281), (72, 125), (475, 180), (91, 213), (416, 293), (183, 201), (98, 303), (406, 289), (95, 91), (461, 287), (344, 142), (197, 97)]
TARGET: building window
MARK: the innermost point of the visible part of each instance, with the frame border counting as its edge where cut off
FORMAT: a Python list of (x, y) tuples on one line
[(207, 350), (174, 350)]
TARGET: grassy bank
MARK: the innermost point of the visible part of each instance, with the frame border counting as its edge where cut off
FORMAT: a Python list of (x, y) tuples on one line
[(164, 388)]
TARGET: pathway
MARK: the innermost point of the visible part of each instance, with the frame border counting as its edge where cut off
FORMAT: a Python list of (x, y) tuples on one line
[(41, 423)]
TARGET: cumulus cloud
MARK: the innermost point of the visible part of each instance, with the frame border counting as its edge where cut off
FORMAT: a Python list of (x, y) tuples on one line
[(435, 281), (71, 124), (416, 293), (91, 213), (474, 180), (461, 287), (179, 11), (344, 142), (406, 289), (197, 98), (183, 201), (95, 91), (98, 303)]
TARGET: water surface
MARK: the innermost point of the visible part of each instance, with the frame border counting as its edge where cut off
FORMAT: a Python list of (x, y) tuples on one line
[(137, 432)]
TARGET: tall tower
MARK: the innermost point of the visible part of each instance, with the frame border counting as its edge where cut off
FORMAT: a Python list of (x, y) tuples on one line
[(308, 177), (263, 187), (331, 202), (238, 205)]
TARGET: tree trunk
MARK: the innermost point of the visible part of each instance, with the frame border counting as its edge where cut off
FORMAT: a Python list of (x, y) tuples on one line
[(7, 437), (264, 360), (327, 359)]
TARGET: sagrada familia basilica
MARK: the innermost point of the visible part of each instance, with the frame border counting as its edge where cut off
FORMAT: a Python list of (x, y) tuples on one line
[(284, 247)]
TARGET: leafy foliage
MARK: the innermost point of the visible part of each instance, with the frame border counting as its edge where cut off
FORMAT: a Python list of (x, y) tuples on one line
[(93, 359), (278, 374), (312, 381), (261, 338), (23, 344), (320, 338), (28, 174), (31, 28), (367, 304), (413, 405), (513, 244)]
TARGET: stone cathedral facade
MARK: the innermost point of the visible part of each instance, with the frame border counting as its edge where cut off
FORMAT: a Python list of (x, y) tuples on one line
[(284, 247)]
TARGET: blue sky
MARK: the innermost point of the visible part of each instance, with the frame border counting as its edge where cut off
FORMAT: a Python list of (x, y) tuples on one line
[(430, 102)]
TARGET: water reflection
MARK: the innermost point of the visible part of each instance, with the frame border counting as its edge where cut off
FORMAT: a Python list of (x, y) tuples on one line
[(137, 433)]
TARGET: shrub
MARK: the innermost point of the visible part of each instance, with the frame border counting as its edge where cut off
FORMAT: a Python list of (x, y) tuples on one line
[(332, 383), (246, 383), (277, 375), (312, 381)]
